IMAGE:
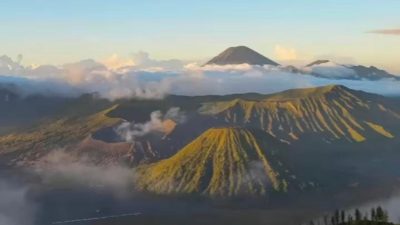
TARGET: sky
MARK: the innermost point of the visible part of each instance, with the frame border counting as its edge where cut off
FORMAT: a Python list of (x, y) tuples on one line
[(291, 32)]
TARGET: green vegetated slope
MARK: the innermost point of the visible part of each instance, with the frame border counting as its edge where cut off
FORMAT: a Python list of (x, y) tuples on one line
[(329, 113), (38, 140), (221, 162)]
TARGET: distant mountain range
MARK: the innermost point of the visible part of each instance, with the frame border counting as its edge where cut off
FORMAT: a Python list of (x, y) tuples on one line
[(331, 70), (318, 68)]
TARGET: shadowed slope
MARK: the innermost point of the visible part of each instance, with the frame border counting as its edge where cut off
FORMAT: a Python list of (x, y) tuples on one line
[(222, 162)]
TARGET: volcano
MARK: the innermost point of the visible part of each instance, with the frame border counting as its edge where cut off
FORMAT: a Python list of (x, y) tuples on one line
[(241, 55), (221, 162)]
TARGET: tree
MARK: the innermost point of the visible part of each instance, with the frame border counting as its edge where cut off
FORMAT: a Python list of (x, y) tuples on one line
[(337, 216), (373, 214), (379, 214), (366, 216), (325, 219), (342, 216), (385, 216), (357, 215), (349, 219)]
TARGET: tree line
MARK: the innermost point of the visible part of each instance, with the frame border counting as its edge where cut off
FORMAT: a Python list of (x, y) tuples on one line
[(340, 217)]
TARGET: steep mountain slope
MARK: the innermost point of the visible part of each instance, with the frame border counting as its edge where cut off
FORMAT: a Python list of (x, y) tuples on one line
[(222, 162), (331, 70), (241, 55), (326, 113), (25, 146)]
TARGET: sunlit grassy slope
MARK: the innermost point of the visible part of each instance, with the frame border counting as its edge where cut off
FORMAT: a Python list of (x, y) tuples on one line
[(332, 112), (71, 128), (222, 162), (325, 114)]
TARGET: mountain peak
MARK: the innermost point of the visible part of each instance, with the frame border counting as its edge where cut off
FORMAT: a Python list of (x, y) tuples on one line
[(318, 62), (241, 55), (221, 162)]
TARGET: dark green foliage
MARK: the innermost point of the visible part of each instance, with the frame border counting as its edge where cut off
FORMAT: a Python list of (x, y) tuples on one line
[(379, 214), (342, 216), (357, 215), (378, 217), (373, 214), (350, 219), (336, 217)]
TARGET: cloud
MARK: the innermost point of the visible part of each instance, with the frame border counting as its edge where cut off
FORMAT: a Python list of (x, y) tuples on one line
[(8, 65), (236, 79), (144, 81), (268, 79), (74, 79), (138, 77), (285, 54), (130, 131), (218, 68), (115, 62), (331, 70), (142, 61), (15, 207), (386, 31), (59, 168)]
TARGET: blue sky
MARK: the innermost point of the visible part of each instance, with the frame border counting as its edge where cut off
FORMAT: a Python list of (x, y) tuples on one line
[(59, 31)]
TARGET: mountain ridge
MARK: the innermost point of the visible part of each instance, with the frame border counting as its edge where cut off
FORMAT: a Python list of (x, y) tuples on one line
[(331, 112), (331, 70)]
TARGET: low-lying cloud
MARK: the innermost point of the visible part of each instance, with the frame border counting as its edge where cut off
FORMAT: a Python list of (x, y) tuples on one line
[(59, 168), (144, 77), (159, 122), (19, 204), (15, 207)]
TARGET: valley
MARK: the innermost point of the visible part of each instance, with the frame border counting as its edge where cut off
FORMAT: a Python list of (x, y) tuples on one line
[(221, 150)]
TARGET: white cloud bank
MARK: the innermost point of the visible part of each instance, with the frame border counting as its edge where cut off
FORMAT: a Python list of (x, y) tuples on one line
[(143, 77)]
